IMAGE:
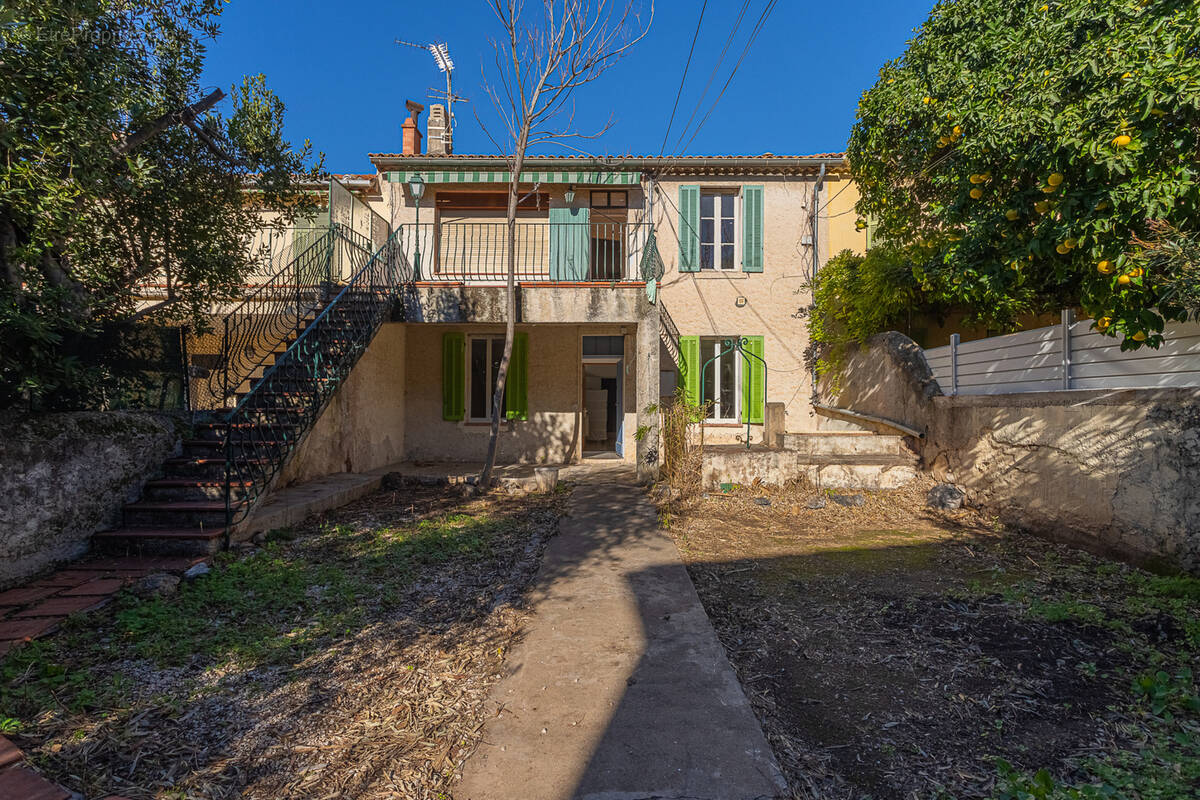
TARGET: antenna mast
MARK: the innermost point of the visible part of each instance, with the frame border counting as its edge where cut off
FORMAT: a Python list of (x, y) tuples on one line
[(441, 56)]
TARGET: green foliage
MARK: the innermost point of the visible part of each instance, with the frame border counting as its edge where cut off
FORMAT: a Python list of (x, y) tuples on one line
[(993, 154), (96, 199), (855, 297)]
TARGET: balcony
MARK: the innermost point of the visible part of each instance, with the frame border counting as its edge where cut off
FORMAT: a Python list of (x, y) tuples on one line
[(476, 253)]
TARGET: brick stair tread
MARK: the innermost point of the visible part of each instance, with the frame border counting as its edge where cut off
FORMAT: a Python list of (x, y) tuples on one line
[(200, 461), (161, 533), (177, 505), (188, 483), (219, 443)]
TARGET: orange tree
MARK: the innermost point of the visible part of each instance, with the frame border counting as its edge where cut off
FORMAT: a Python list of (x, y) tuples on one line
[(1017, 152)]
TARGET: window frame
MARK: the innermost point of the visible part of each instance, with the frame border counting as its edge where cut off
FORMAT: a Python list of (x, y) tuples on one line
[(494, 340), (608, 196), (738, 366), (718, 242)]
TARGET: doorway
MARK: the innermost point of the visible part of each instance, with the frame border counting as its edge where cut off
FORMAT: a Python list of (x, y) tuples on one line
[(603, 412)]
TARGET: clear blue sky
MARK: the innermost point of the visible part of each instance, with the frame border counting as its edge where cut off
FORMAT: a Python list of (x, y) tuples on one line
[(344, 81)]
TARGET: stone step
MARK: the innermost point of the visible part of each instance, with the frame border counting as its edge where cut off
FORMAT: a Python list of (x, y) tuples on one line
[(203, 467), (164, 541), (845, 443), (871, 471)]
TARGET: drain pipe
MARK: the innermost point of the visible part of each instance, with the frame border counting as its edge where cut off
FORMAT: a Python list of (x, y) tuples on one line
[(816, 263)]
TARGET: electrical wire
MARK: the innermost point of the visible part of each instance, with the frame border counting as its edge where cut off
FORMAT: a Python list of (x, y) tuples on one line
[(686, 66), (716, 67)]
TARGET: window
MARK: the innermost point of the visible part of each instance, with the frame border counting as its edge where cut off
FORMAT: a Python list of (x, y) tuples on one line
[(489, 201), (721, 381), (484, 366), (604, 345), (718, 230), (610, 199)]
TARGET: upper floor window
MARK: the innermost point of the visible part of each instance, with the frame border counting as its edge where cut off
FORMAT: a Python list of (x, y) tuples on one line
[(718, 230), (610, 199)]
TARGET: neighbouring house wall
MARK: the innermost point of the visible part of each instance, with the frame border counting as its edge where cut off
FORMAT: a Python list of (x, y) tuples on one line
[(362, 428), (1112, 471), (553, 432), (65, 476)]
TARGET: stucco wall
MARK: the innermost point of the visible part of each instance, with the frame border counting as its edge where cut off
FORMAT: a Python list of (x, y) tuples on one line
[(552, 432), (1113, 471), (65, 476), (362, 428), (707, 303)]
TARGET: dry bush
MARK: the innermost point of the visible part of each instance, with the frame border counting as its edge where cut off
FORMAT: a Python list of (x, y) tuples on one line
[(682, 445)]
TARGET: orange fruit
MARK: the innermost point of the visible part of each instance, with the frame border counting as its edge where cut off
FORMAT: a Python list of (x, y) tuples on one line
[(1055, 179), (976, 193), (1123, 280), (1136, 272), (1122, 140), (976, 179), (1041, 206), (1049, 189), (1012, 214), (1140, 336), (1105, 267), (1103, 323), (927, 100), (1070, 243)]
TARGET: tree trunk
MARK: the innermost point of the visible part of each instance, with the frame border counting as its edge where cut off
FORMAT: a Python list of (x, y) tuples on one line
[(489, 462)]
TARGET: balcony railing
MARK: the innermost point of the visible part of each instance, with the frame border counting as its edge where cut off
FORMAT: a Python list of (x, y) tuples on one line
[(477, 252)]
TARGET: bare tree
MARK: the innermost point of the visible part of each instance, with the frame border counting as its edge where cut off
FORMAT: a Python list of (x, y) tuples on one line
[(542, 59)]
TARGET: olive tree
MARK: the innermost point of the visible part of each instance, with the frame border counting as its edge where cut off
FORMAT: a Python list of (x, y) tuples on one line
[(113, 174)]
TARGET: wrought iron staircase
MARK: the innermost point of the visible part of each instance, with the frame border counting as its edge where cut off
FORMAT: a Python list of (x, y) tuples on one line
[(284, 352)]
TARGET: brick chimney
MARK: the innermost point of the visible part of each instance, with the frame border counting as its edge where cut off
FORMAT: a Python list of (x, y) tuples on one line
[(410, 132), (438, 129)]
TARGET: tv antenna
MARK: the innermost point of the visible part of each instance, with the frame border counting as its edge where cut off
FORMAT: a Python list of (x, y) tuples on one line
[(441, 56)]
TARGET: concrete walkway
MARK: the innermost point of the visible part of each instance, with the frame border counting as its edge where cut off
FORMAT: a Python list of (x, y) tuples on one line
[(620, 689)]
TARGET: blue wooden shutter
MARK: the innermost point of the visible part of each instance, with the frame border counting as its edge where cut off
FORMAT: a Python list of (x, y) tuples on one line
[(754, 381), (516, 386), (689, 228), (752, 229), (454, 375), (570, 241)]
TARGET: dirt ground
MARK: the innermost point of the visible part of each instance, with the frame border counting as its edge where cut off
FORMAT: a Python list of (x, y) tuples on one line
[(891, 651), (348, 657)]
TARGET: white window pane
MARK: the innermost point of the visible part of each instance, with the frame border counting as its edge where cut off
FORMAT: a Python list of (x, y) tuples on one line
[(727, 256), (726, 205), (479, 378), (706, 231), (727, 231), (706, 205), (706, 256)]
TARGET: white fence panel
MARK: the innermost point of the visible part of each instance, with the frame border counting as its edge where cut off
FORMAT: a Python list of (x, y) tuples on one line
[(1066, 356)]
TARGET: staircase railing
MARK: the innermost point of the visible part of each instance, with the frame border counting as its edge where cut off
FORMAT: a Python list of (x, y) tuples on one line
[(278, 409), (669, 334), (240, 343)]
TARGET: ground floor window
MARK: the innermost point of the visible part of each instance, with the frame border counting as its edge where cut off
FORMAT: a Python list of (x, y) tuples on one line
[(722, 380), (482, 372)]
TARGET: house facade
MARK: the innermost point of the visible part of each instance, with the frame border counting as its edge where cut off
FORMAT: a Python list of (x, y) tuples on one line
[(634, 276)]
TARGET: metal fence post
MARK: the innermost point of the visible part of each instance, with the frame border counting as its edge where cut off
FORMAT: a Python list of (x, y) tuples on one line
[(954, 363), (1067, 319)]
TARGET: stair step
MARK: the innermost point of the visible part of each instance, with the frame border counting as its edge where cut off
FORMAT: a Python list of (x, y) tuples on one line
[(847, 443), (194, 489), (181, 513), (160, 541)]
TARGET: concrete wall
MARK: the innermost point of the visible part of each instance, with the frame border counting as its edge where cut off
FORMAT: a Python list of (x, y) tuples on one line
[(767, 304), (65, 476), (1112, 471), (363, 427)]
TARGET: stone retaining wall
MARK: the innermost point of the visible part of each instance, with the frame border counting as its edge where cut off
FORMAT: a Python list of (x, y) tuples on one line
[(1113, 471), (65, 476)]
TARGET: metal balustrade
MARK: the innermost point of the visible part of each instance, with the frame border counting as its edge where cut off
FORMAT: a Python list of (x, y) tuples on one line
[(477, 252)]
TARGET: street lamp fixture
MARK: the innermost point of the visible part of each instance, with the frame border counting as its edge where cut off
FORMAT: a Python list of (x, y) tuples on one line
[(569, 194), (416, 185)]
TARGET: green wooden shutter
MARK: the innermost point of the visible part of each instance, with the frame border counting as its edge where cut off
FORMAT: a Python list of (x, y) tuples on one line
[(689, 228), (516, 390), (754, 381), (570, 242), (752, 229), (454, 375), (689, 352)]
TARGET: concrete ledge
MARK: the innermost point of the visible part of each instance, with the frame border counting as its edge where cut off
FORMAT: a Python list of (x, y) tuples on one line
[(293, 505)]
